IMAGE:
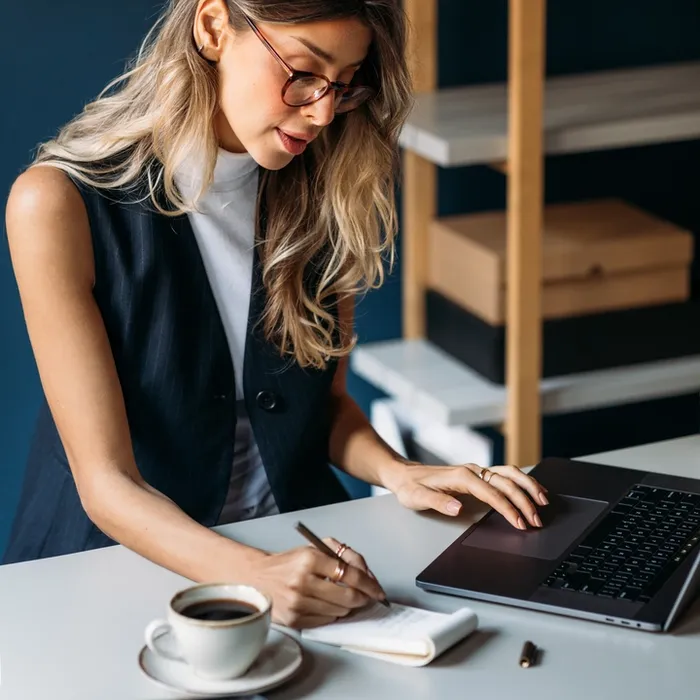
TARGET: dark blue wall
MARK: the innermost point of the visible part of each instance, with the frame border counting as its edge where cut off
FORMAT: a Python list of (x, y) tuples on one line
[(56, 56)]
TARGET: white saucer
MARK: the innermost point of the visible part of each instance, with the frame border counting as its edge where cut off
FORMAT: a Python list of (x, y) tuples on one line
[(278, 661)]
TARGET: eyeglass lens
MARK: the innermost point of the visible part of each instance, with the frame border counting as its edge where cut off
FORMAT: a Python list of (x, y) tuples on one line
[(307, 89)]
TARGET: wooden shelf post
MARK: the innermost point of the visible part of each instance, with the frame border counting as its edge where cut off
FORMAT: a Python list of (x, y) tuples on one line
[(419, 178), (526, 60)]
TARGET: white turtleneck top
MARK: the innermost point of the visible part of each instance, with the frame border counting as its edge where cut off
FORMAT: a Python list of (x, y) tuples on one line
[(224, 227)]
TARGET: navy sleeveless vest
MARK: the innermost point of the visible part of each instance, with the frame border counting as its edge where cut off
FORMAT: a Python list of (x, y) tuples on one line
[(176, 375)]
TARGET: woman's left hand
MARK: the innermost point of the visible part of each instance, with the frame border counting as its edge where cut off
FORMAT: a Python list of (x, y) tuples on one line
[(506, 489)]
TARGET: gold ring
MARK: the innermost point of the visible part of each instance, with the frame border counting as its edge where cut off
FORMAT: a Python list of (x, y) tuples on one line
[(341, 549), (486, 475), (340, 569)]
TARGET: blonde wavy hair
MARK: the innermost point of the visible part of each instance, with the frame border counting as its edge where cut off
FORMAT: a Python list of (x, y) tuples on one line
[(330, 213)]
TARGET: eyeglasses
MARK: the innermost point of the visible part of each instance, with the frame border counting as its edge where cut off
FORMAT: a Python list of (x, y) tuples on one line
[(304, 88)]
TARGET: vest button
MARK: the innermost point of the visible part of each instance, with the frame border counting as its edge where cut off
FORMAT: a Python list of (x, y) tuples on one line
[(267, 400)]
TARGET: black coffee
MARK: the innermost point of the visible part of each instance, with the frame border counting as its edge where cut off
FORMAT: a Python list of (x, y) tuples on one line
[(219, 609)]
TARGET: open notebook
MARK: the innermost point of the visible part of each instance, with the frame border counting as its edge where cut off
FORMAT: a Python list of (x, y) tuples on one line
[(400, 634)]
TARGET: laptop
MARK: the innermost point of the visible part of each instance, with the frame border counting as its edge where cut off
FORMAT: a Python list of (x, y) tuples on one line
[(618, 546)]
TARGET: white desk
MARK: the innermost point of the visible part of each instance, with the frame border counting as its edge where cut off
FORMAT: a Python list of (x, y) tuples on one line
[(71, 627)]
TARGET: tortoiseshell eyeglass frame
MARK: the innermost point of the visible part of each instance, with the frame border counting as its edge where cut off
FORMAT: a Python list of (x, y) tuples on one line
[(348, 97)]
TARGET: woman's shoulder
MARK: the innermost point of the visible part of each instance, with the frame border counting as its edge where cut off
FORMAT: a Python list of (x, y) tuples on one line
[(47, 223), (44, 193), (50, 185)]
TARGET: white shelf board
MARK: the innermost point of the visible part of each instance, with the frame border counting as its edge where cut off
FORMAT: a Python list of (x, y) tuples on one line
[(431, 383), (583, 112)]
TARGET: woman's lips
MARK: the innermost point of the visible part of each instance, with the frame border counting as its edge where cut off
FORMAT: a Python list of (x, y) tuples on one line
[(292, 144)]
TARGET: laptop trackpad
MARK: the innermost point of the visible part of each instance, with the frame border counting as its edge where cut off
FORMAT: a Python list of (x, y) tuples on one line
[(564, 519)]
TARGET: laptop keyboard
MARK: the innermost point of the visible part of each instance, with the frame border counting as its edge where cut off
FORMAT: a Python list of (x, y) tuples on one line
[(635, 549)]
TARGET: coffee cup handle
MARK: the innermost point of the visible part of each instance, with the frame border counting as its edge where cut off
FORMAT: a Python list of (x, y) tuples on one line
[(154, 630)]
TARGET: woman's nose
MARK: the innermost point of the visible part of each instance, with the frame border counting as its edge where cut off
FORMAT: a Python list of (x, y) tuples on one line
[(322, 111)]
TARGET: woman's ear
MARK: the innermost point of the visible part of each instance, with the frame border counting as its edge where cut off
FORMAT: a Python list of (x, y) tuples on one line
[(211, 27)]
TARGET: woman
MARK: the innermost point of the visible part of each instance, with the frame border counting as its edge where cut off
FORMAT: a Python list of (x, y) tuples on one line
[(187, 251)]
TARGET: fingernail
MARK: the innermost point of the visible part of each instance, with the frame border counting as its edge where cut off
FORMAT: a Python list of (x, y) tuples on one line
[(543, 499), (453, 507), (537, 520), (521, 523)]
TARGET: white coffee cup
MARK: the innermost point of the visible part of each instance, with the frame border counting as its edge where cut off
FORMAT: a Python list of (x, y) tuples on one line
[(215, 649)]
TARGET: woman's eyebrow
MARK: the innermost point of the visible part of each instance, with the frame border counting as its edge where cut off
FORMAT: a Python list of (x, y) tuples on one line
[(324, 55)]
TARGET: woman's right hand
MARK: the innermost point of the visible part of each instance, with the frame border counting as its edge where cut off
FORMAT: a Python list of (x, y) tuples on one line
[(303, 593)]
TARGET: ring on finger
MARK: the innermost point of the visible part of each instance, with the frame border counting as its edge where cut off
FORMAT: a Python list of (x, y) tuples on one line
[(486, 475), (341, 549), (340, 569)]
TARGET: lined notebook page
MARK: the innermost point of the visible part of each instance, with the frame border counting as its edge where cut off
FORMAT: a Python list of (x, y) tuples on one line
[(399, 631), (398, 619)]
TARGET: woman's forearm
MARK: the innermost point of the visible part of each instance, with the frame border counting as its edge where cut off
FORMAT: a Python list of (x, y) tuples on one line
[(150, 524), (357, 449)]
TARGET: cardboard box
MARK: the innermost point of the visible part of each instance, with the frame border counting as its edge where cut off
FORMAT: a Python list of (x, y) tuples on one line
[(598, 256)]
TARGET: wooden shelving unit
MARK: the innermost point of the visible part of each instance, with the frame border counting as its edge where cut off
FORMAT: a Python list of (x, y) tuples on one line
[(513, 126)]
